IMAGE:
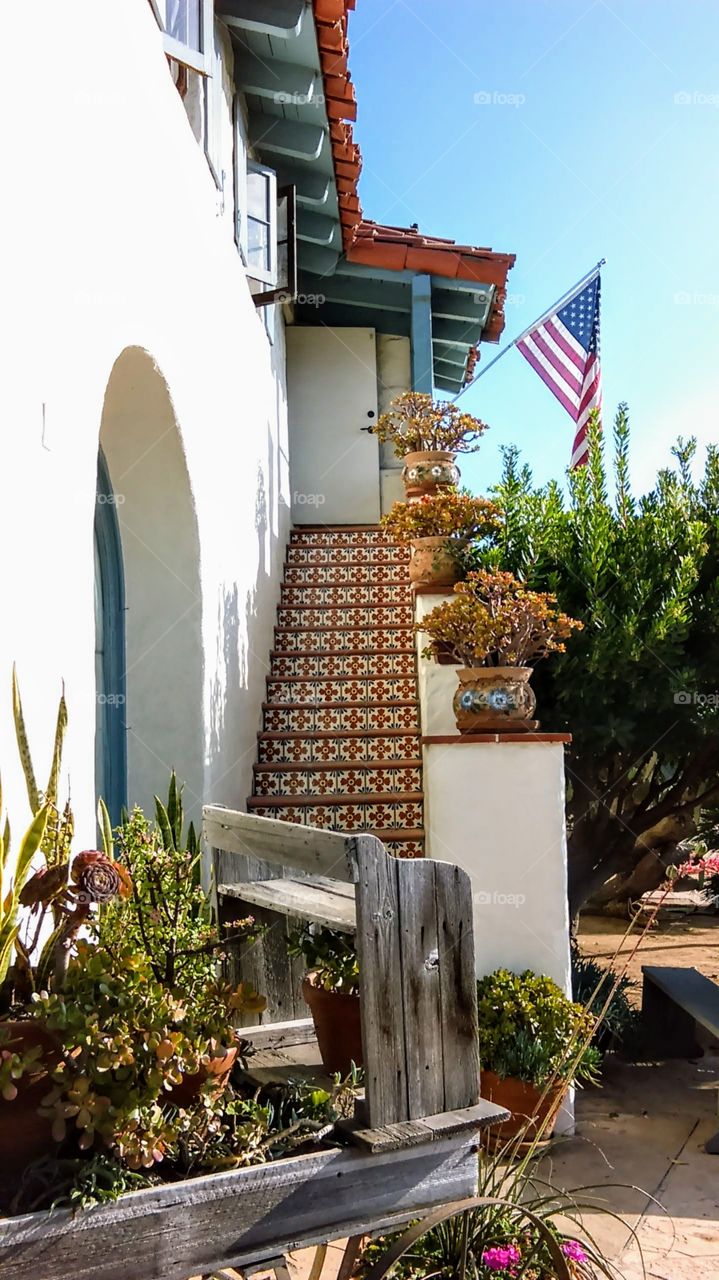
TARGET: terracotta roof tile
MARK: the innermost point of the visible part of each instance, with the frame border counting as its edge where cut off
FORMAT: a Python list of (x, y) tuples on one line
[(385, 247)]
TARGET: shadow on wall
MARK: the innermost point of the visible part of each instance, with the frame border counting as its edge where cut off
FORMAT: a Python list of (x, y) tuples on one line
[(161, 556), (244, 640)]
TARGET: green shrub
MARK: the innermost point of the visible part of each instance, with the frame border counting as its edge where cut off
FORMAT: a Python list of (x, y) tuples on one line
[(529, 1029)]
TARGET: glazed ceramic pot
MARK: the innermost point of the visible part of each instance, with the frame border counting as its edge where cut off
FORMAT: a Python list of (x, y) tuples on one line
[(217, 1069), (432, 563), (336, 1018), (427, 471), (530, 1109), (487, 696)]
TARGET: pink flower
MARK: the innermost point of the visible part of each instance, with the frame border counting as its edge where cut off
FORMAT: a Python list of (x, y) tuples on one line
[(501, 1259), (573, 1250)]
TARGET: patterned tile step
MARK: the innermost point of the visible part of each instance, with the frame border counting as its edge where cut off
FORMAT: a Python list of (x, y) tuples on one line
[(355, 813), (347, 748), (338, 617), (354, 639), (338, 779), (405, 848), (346, 536), (308, 666), (347, 554), (339, 574), (349, 689), (360, 593), (341, 716)]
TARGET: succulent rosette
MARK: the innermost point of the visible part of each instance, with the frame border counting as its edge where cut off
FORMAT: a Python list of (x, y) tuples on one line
[(97, 878)]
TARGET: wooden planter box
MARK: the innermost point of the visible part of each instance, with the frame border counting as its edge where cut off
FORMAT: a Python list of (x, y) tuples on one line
[(414, 1138), (225, 1219)]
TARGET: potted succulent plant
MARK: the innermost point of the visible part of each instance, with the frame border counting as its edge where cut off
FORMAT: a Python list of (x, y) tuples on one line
[(331, 989), (495, 628), (438, 527), (533, 1043), (428, 435)]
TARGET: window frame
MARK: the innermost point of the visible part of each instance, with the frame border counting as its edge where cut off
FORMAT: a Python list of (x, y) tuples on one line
[(263, 276), (197, 60), (284, 292)]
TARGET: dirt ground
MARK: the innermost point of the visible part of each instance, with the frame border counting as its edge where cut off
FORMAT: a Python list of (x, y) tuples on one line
[(691, 940)]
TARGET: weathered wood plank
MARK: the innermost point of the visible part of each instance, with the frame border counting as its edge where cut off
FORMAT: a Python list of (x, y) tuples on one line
[(233, 1219), (311, 899), (408, 1133), (458, 987), (279, 1035), (311, 849), (378, 953), (481, 1116), (420, 984)]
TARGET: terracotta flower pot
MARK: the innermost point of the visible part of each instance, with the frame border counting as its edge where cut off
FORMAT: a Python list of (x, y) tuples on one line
[(337, 1026), (432, 563), (218, 1069), (492, 697), (424, 472), (529, 1110), (25, 1135)]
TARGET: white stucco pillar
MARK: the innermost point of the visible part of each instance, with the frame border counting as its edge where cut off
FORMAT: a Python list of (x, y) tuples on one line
[(494, 805)]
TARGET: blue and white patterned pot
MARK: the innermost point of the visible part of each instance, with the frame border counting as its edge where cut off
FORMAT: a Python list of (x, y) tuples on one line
[(487, 696)]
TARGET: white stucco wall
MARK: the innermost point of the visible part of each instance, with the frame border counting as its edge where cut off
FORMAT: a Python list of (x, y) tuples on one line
[(394, 375), (116, 237)]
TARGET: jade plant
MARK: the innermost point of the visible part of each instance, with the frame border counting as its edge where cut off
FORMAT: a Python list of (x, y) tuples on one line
[(451, 513), (417, 423), (526, 1027), (494, 620), (125, 1042)]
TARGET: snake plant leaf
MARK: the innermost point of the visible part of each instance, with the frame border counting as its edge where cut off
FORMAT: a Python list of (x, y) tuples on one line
[(192, 845), (60, 727), (174, 810), (163, 823), (105, 825), (8, 934), (29, 846), (23, 745)]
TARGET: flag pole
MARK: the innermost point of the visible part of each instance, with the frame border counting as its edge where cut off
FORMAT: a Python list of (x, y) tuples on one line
[(550, 311)]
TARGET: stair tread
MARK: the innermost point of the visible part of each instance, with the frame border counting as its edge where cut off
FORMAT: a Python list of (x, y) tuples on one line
[(306, 800), (344, 706), (410, 732), (333, 653), (336, 766)]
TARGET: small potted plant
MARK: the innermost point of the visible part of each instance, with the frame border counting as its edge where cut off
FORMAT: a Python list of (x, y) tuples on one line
[(533, 1043), (438, 527), (331, 989), (428, 435), (495, 628)]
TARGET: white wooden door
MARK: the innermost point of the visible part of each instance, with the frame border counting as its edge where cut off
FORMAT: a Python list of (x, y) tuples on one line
[(332, 395)]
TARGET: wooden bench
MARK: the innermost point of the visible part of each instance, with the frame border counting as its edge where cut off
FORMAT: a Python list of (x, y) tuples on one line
[(415, 1144), (675, 1003)]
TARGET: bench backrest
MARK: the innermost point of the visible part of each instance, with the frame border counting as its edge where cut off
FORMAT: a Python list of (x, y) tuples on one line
[(415, 949)]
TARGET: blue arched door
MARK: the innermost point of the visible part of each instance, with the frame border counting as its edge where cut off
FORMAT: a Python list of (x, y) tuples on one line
[(110, 722)]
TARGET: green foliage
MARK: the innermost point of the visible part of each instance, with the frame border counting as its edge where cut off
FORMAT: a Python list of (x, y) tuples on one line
[(330, 955), (168, 916), (10, 897), (126, 1042), (527, 1026), (591, 985), (642, 574)]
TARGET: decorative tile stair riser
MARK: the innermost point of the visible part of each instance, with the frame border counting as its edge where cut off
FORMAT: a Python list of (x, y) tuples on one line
[(340, 745)]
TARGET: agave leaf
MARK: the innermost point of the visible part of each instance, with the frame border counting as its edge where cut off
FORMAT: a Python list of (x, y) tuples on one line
[(60, 727), (103, 821), (23, 745), (163, 823)]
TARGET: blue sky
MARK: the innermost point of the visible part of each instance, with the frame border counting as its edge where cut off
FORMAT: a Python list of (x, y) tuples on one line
[(600, 139)]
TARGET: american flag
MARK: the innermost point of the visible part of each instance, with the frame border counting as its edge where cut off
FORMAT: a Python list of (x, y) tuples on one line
[(563, 348)]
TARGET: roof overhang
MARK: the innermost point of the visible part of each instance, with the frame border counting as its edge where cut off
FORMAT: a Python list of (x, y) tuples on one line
[(291, 66)]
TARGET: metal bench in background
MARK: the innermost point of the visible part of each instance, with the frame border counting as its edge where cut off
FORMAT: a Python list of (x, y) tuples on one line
[(676, 1003)]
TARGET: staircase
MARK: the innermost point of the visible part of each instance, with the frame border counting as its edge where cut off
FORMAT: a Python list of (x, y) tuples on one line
[(341, 743)]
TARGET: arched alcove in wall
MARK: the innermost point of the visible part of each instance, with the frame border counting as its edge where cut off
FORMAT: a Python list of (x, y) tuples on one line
[(152, 497)]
